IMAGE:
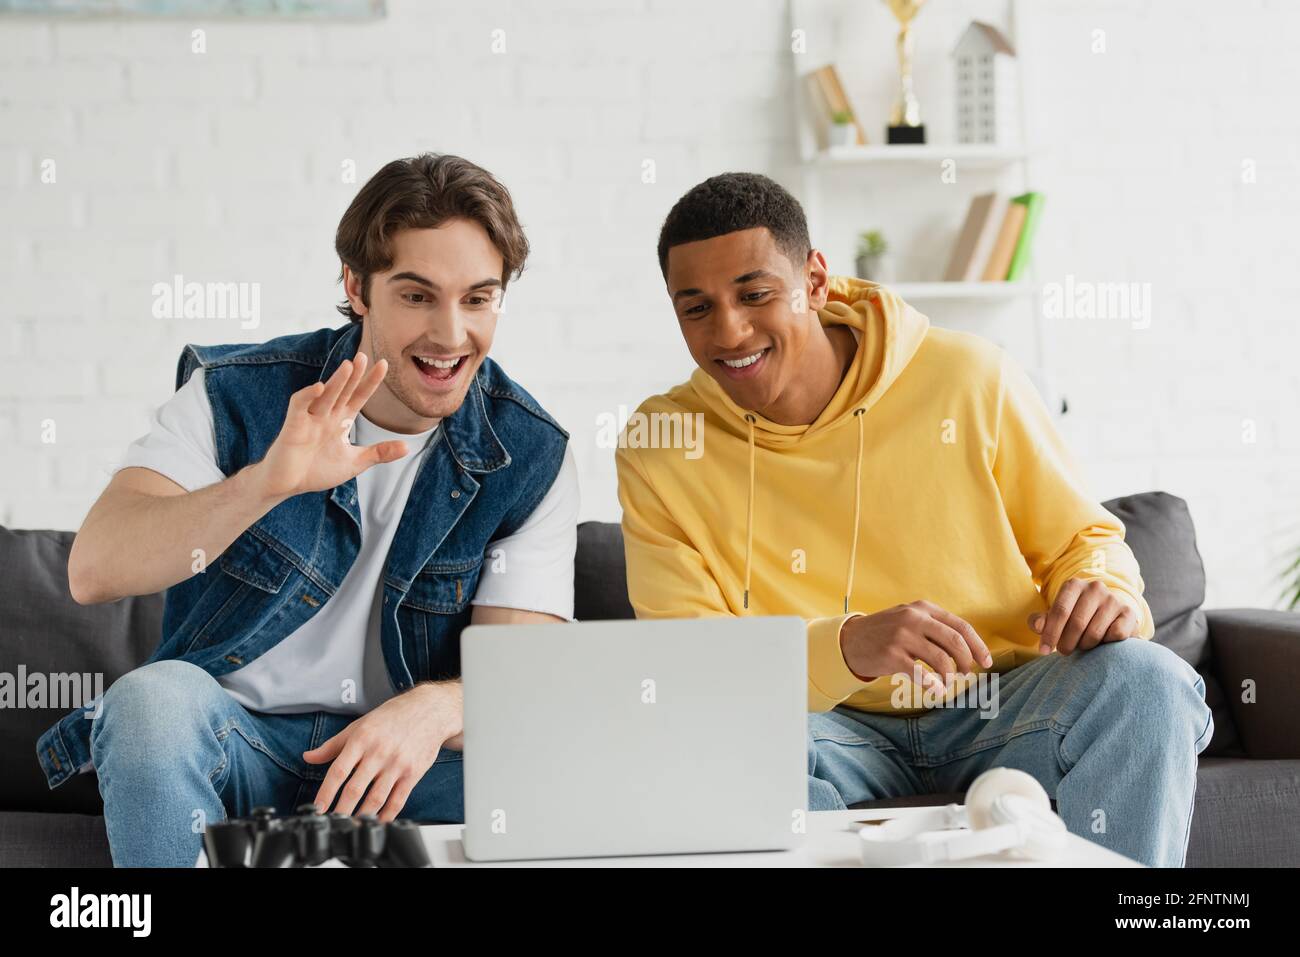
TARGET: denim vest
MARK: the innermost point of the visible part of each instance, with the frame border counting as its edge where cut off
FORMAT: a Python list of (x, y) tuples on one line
[(483, 473)]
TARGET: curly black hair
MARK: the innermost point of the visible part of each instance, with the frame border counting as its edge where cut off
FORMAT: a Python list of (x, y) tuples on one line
[(733, 201)]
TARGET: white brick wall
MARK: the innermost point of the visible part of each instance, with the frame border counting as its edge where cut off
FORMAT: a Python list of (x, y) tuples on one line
[(225, 166)]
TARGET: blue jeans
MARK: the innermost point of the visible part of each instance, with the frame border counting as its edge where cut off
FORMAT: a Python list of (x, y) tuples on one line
[(174, 752), (1112, 734)]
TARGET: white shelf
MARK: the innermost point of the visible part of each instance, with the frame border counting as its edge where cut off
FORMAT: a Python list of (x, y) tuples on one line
[(968, 155), (824, 173), (983, 291)]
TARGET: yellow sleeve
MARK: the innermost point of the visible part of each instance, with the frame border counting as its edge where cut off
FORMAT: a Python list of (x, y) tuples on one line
[(668, 578), (1062, 531)]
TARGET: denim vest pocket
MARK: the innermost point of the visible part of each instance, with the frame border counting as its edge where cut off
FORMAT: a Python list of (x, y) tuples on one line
[(249, 573), (444, 589), (431, 616), (256, 563)]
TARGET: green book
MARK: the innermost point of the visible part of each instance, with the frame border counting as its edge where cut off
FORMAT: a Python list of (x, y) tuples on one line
[(1033, 203)]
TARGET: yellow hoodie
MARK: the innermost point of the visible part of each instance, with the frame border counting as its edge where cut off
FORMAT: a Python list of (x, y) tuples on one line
[(933, 473)]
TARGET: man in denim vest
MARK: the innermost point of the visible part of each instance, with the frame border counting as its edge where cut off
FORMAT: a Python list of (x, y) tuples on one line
[(327, 512)]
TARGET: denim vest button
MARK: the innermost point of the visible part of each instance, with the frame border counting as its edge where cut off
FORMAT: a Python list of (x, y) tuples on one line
[(455, 493)]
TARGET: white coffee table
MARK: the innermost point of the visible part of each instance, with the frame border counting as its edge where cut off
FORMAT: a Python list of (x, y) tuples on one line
[(832, 841)]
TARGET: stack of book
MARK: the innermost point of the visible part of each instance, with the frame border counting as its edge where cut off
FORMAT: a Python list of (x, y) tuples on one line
[(994, 242)]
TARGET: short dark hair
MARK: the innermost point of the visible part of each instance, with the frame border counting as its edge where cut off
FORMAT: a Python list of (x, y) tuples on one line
[(423, 192), (731, 202)]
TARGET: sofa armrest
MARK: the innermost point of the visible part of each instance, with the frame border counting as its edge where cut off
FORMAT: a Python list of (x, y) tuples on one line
[(1263, 647)]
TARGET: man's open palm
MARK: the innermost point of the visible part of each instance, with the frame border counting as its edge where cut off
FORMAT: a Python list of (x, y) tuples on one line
[(313, 452)]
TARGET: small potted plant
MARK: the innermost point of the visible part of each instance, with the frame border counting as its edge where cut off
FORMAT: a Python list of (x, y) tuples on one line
[(843, 132), (873, 260)]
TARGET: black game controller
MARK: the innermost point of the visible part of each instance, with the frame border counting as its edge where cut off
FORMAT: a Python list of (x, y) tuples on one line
[(311, 838)]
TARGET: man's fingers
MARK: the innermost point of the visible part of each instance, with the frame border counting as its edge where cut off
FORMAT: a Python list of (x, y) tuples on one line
[(303, 398), (379, 453), (398, 797), (372, 381), (327, 750), (1108, 610), (1085, 606), (359, 364), (333, 386), (952, 642), (978, 650), (334, 778), (923, 650), (1123, 626), (378, 794), (355, 789), (1059, 614)]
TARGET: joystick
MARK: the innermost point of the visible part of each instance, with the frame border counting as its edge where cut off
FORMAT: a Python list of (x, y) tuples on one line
[(311, 838)]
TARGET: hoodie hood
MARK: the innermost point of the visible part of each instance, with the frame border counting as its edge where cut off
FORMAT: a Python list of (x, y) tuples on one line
[(889, 332)]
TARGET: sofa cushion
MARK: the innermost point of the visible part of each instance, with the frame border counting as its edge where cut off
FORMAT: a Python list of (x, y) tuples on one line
[(30, 839), (44, 632), (1158, 528), (1244, 815)]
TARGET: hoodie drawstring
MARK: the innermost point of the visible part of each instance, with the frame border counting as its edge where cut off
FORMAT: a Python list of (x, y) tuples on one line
[(857, 509), (749, 520)]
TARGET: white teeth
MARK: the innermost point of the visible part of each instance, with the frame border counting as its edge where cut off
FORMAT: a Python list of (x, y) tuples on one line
[(439, 363), (747, 361)]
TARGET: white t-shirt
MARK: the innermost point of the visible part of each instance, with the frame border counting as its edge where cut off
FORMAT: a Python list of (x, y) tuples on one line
[(334, 662)]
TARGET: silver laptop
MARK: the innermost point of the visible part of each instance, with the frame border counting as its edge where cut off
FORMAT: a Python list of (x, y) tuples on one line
[(634, 737)]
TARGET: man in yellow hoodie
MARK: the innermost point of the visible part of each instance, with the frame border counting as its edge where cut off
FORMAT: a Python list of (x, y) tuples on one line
[(901, 487)]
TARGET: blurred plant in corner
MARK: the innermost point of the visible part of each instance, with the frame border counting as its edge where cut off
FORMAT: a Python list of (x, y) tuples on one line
[(1291, 588)]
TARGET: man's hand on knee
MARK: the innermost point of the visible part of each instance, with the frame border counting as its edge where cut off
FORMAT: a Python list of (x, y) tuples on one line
[(1084, 615), (377, 760), (891, 642)]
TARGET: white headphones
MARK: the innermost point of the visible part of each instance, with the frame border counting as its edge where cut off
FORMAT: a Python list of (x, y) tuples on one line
[(1006, 812)]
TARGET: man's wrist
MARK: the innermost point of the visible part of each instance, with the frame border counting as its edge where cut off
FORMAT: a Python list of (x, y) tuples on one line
[(844, 651), (251, 483), (446, 701)]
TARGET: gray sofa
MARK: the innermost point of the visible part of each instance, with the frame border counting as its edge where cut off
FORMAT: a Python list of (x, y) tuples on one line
[(1248, 786)]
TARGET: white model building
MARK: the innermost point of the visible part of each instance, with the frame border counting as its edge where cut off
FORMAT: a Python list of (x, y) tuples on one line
[(985, 66)]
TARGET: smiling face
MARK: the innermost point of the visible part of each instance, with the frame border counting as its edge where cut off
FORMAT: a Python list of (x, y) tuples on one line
[(747, 313), (432, 315)]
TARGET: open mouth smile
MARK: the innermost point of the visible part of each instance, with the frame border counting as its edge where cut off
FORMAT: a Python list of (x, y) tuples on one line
[(746, 366), (438, 371)]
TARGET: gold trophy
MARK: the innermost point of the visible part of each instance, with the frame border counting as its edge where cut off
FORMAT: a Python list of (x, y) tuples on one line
[(905, 124)]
